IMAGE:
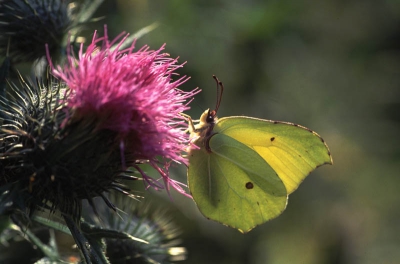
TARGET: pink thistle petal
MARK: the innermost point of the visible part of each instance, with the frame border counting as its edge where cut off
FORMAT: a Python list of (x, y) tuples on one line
[(168, 181)]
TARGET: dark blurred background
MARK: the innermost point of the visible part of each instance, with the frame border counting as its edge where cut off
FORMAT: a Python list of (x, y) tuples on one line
[(333, 66)]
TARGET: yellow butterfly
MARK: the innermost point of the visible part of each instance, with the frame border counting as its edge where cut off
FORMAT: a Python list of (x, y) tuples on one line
[(243, 168)]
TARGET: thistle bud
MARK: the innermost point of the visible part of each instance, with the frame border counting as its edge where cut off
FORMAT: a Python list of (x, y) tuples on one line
[(141, 221), (27, 25)]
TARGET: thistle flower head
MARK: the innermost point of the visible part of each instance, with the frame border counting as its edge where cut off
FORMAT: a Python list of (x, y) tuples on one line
[(141, 221), (155, 228), (73, 139), (132, 95), (27, 25)]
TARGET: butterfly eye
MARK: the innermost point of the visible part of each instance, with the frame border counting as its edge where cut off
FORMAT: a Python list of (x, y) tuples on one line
[(211, 116)]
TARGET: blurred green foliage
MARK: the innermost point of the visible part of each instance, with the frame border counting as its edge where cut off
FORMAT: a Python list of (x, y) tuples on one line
[(332, 66)]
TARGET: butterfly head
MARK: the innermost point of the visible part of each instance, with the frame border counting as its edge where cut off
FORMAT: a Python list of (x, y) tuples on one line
[(208, 117)]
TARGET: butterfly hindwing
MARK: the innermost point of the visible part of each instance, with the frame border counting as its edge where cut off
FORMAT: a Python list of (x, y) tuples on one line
[(233, 185)]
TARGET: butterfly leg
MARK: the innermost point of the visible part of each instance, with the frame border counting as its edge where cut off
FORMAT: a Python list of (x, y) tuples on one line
[(191, 128)]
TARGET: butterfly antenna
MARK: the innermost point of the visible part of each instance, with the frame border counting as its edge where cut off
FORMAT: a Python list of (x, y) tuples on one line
[(220, 90)]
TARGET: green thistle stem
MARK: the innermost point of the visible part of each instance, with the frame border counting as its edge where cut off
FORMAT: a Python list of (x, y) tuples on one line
[(90, 249)]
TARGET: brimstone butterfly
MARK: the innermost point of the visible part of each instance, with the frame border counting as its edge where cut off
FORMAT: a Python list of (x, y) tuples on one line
[(242, 169)]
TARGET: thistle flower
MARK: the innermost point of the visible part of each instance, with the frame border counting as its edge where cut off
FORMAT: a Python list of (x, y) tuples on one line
[(132, 96), (27, 25), (63, 142)]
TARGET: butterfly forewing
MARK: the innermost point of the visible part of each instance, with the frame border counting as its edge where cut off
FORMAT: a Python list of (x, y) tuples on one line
[(291, 150)]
